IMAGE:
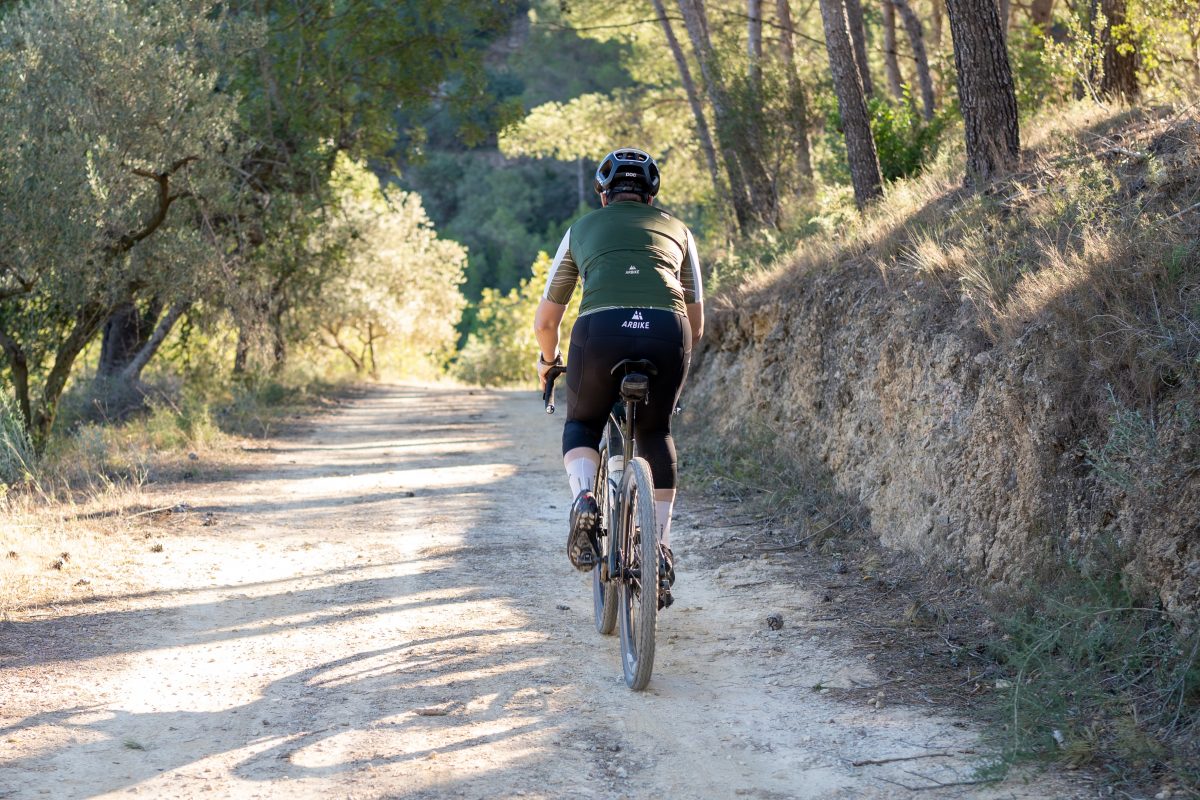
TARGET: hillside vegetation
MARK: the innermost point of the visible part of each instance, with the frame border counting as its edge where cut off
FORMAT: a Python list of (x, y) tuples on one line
[(1004, 383)]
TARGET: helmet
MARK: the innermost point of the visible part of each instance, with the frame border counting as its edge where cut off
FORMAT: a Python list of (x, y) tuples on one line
[(627, 170)]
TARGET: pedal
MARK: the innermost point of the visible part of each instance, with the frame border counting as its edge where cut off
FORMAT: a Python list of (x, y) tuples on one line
[(665, 598)]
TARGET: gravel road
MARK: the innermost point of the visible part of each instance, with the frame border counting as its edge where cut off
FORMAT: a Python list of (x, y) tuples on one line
[(383, 608)]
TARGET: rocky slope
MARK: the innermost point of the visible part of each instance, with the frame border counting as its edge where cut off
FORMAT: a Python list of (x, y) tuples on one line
[(999, 454)]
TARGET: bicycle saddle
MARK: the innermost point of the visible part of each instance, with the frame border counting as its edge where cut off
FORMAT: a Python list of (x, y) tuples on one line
[(631, 365), (636, 383)]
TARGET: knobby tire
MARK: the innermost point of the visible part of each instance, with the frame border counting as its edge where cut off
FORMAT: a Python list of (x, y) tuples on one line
[(638, 601), (604, 595)]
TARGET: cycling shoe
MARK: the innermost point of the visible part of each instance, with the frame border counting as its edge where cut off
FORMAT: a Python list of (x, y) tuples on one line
[(666, 572), (585, 519)]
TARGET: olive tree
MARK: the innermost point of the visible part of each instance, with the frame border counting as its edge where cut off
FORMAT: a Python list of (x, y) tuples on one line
[(396, 284), (114, 138)]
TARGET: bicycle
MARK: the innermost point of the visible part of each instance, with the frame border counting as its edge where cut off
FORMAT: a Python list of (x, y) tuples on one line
[(629, 560)]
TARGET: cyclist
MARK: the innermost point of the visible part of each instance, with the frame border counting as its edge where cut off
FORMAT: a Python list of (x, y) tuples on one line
[(642, 298)]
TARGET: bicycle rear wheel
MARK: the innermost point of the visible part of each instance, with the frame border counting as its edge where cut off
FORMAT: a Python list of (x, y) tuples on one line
[(604, 593), (638, 603)]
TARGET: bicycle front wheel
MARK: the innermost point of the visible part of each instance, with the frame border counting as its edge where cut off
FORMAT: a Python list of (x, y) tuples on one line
[(638, 602), (604, 592)]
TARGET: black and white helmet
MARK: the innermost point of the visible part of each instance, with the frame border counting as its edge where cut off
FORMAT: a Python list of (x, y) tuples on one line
[(627, 170)]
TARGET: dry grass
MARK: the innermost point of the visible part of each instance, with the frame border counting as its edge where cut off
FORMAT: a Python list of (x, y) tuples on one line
[(51, 552)]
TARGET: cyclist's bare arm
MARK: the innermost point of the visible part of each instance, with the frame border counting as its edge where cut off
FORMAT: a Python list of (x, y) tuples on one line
[(695, 314), (546, 320)]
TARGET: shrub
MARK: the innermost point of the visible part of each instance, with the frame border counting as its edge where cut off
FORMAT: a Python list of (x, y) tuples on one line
[(502, 348), (904, 141), (1101, 677)]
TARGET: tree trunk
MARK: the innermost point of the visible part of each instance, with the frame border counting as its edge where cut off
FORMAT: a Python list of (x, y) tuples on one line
[(126, 331), (985, 89), (132, 372), (696, 25), (581, 179), (797, 101), (689, 86), (1041, 13), (87, 324), (856, 126), (750, 186), (241, 353), (912, 25), (891, 61), (1120, 54), (858, 36), (18, 369), (1196, 58), (278, 340), (332, 332), (935, 24), (1004, 9), (754, 41), (371, 351)]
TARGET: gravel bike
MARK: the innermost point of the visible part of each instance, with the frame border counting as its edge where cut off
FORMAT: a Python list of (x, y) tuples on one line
[(628, 581)]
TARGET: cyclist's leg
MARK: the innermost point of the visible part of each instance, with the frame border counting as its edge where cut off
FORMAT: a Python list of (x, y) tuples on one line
[(588, 384), (590, 393), (670, 350)]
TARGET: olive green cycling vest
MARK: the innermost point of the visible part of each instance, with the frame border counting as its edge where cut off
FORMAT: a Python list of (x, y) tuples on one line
[(630, 255)]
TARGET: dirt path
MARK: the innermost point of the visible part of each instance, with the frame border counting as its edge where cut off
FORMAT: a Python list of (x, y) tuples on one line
[(384, 609)]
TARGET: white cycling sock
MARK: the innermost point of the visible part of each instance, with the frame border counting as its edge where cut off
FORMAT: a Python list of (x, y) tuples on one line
[(662, 510), (581, 472)]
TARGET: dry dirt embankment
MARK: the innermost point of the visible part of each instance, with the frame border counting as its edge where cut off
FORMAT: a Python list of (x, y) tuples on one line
[(383, 609), (980, 449)]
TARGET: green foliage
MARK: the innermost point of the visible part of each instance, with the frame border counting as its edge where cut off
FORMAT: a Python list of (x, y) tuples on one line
[(502, 349), (750, 255), (505, 217), (359, 80), (1079, 55), (904, 141), (507, 209), (589, 126), (559, 63), (331, 75), (1038, 80)]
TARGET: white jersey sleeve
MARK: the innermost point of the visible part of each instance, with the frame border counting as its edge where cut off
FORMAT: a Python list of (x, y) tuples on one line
[(564, 274), (693, 284)]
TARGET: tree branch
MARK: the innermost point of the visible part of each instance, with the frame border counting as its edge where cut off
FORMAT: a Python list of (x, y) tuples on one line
[(134, 368), (87, 322), (346, 351), (126, 242)]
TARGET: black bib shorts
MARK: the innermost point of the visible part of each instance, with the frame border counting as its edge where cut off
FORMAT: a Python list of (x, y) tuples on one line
[(601, 339)]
